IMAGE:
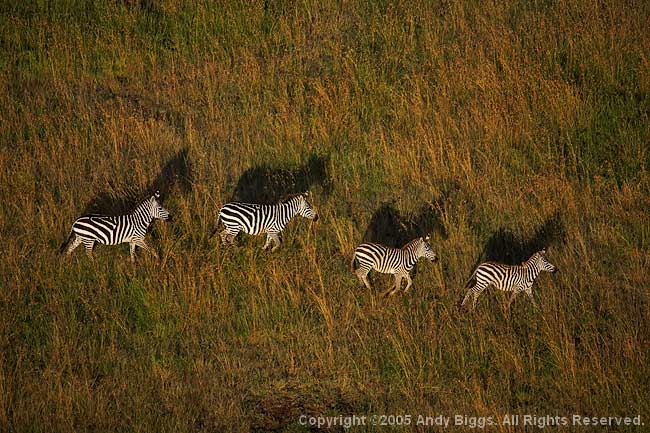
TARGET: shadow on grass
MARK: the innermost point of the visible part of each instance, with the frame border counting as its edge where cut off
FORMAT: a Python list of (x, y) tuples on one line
[(268, 185), (175, 175), (389, 227), (504, 247)]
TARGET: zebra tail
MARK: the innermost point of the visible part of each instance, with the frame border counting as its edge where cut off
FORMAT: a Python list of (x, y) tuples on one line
[(469, 284), (216, 228), (66, 242), (354, 262)]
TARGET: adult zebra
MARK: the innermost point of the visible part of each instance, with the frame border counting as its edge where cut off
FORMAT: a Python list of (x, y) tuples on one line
[(396, 261), (113, 230), (258, 218), (508, 278)]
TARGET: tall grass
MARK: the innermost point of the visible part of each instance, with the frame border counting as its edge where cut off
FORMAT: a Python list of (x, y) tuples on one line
[(503, 113)]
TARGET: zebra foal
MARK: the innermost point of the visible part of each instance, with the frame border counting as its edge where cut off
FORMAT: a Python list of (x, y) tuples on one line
[(257, 218), (396, 261), (508, 278), (113, 230)]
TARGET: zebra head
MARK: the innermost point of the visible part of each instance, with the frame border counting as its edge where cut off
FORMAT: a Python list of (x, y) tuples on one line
[(542, 263), (305, 208), (155, 208), (424, 250)]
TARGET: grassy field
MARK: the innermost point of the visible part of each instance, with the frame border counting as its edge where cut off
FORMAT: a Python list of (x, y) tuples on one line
[(500, 126)]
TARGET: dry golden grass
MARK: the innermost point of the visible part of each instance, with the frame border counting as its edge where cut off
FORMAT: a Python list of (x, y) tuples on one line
[(505, 116)]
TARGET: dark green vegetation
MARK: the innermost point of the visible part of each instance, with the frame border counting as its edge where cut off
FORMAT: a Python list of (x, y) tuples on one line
[(501, 126)]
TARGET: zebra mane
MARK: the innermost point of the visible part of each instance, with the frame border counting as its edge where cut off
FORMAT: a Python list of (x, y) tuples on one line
[(146, 202), (532, 258), (413, 242), (290, 197)]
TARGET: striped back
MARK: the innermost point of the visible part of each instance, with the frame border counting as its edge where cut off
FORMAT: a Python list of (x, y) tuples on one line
[(507, 277), (389, 260), (256, 218), (113, 230)]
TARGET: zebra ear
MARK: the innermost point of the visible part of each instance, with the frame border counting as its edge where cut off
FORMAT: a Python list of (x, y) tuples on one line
[(156, 194), (427, 237), (306, 194)]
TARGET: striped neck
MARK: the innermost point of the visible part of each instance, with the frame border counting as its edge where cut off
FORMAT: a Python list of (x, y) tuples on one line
[(142, 214), (532, 267), (411, 252), (292, 205)]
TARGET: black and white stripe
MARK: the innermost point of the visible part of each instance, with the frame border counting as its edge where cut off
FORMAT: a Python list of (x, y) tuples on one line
[(508, 278), (396, 261), (257, 218), (113, 230)]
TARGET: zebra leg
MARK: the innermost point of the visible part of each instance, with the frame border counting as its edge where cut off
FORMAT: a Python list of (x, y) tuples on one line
[(409, 283), (144, 246), (467, 296), (89, 244), (228, 236), (530, 296), (132, 245), (362, 274), (398, 284), (276, 239), (268, 242), (512, 297), (475, 291), (74, 244), (396, 287), (475, 299)]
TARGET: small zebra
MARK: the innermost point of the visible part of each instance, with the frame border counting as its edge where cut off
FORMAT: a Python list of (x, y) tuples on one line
[(113, 230), (508, 278), (396, 261), (258, 218)]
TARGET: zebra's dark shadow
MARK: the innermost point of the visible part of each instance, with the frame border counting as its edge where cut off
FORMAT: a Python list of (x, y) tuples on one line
[(268, 185), (176, 173), (389, 227), (505, 247), (175, 176), (114, 201)]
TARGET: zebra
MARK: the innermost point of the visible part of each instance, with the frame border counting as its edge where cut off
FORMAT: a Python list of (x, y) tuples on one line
[(508, 278), (396, 261), (113, 230), (258, 218)]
